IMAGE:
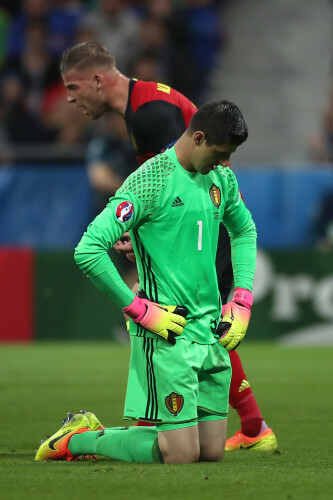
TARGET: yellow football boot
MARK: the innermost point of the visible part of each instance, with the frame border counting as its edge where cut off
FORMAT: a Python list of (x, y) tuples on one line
[(266, 441), (55, 447)]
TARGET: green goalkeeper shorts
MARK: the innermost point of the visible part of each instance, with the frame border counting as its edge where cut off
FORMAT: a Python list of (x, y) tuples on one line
[(177, 385)]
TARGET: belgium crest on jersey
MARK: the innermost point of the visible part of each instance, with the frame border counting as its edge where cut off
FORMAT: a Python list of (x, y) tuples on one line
[(174, 402), (215, 195)]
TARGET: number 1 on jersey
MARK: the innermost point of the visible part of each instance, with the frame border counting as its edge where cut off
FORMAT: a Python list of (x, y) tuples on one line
[(199, 223)]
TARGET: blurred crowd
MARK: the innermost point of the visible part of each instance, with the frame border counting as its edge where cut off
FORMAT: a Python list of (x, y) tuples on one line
[(175, 42)]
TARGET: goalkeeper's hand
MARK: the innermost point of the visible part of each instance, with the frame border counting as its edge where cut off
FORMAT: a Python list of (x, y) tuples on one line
[(235, 319), (165, 321)]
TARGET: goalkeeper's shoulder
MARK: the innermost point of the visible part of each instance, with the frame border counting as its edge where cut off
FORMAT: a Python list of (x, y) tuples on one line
[(226, 174), (148, 181), (228, 181), (150, 175)]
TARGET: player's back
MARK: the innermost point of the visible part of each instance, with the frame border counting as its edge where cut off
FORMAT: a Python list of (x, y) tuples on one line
[(156, 116)]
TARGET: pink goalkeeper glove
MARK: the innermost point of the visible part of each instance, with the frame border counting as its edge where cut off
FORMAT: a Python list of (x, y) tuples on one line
[(165, 321), (235, 319)]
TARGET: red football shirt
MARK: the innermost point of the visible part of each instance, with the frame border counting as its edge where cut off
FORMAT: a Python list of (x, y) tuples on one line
[(156, 116)]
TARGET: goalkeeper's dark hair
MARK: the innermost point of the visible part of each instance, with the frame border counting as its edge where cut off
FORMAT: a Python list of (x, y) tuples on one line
[(86, 55), (221, 121)]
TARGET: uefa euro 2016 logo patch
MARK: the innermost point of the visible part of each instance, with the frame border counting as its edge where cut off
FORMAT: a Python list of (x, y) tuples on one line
[(215, 195), (174, 402), (124, 211)]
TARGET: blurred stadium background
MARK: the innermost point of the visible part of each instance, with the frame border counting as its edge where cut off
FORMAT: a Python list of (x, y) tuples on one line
[(273, 58)]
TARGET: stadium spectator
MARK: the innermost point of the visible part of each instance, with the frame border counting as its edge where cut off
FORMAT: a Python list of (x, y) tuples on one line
[(60, 24), (84, 34), (4, 26), (196, 36), (64, 123), (160, 9), (117, 27), (147, 67), (21, 126), (35, 66), (11, 7), (153, 42)]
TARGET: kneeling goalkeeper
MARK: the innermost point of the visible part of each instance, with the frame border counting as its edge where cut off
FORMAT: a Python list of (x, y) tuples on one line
[(179, 374)]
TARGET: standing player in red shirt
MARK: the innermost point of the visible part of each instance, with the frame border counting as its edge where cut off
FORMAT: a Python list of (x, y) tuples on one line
[(156, 116)]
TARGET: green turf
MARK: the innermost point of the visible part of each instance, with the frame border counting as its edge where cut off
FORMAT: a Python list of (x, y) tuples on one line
[(40, 383)]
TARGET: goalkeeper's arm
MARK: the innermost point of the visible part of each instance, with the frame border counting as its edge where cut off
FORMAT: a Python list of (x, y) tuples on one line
[(92, 257)]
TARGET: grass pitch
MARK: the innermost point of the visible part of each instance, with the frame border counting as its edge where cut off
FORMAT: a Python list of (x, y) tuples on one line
[(41, 382)]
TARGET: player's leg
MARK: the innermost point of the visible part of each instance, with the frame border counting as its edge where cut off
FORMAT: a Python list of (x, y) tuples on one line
[(254, 433), (213, 402), (162, 388), (55, 447), (206, 441), (144, 444), (212, 438), (83, 434), (128, 444), (179, 446), (241, 396), (139, 444), (175, 403)]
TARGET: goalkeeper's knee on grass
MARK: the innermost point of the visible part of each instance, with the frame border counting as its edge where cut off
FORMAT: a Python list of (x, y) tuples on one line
[(235, 319), (165, 321)]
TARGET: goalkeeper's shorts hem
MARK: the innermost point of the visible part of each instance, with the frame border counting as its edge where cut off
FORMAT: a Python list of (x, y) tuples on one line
[(205, 415), (164, 426), (172, 427)]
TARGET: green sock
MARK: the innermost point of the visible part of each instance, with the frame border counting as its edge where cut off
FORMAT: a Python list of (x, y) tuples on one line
[(129, 444)]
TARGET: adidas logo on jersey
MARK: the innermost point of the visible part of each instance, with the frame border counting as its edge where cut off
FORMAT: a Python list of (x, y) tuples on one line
[(177, 203), (244, 385)]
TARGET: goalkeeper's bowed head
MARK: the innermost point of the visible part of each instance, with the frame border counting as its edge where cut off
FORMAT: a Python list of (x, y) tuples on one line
[(165, 321), (235, 319)]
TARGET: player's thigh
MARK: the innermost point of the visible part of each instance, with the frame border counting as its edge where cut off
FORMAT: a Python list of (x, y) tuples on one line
[(163, 381), (214, 383), (212, 438), (179, 446)]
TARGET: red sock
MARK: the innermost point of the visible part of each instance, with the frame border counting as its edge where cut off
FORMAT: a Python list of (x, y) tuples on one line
[(241, 398)]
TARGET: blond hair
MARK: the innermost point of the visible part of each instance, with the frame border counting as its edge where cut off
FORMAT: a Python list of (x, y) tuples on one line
[(86, 55)]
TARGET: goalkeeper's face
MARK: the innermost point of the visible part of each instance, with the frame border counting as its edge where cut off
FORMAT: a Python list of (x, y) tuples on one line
[(206, 158), (84, 91)]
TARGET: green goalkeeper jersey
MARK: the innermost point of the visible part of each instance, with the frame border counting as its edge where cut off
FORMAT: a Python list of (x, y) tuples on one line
[(173, 217)]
